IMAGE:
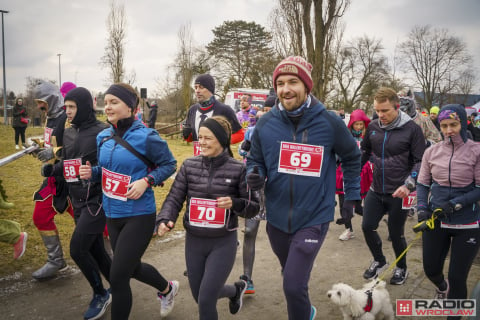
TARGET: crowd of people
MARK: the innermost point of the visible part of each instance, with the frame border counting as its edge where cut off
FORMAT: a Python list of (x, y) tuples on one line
[(297, 155)]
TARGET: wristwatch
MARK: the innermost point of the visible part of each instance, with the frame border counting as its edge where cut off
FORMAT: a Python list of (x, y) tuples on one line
[(149, 180), (458, 207)]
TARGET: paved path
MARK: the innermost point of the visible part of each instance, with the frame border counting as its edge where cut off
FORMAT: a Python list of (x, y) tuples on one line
[(67, 296)]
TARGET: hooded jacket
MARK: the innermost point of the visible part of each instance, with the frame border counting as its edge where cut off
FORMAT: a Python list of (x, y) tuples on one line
[(114, 157), (294, 202), (396, 153), (49, 93), (53, 137), (450, 174), (79, 142), (366, 174)]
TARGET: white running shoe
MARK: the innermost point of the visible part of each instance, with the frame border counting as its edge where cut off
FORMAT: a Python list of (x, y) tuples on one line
[(167, 302), (346, 235)]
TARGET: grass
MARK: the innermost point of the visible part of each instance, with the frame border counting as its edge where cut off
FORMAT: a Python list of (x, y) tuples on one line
[(21, 178)]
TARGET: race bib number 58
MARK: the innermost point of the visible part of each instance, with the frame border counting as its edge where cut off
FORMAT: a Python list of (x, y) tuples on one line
[(204, 213), (71, 169), (300, 159), (114, 185)]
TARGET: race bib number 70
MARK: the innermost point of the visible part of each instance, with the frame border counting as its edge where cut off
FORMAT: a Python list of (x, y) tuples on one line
[(300, 159), (205, 213)]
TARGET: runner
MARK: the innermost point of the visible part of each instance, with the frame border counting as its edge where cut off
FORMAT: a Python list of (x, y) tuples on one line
[(216, 192), (294, 148), (128, 199), (455, 189), (86, 245)]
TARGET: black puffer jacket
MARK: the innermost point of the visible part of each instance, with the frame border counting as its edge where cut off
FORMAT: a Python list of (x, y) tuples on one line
[(210, 178)]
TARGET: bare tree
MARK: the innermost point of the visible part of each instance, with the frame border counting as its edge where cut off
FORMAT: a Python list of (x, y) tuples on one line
[(358, 62), (284, 22), (312, 28), (115, 49), (436, 59)]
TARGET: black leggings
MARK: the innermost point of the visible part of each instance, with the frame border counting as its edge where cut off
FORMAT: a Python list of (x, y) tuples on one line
[(130, 238), (464, 245), (89, 254), (19, 132), (376, 205), (209, 263), (251, 230)]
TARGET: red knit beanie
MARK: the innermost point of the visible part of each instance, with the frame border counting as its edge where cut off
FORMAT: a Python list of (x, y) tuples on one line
[(296, 66)]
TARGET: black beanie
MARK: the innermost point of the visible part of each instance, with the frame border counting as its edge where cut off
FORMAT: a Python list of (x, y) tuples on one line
[(84, 101), (270, 102), (206, 81)]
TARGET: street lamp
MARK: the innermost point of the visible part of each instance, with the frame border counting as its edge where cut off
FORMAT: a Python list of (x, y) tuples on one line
[(59, 71), (4, 78)]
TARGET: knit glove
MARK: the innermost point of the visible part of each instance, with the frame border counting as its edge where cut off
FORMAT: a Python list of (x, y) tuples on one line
[(254, 180), (45, 154)]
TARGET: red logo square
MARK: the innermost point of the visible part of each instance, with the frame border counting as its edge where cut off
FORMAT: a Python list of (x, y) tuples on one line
[(404, 308)]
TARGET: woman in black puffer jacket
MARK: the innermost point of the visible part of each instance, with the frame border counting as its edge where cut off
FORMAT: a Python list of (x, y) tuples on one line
[(215, 188)]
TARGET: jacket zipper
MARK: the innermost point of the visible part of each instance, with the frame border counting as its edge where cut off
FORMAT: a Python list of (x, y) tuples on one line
[(383, 162)]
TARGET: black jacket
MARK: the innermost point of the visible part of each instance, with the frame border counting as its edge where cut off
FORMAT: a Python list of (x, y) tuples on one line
[(219, 109), (396, 154), (210, 178)]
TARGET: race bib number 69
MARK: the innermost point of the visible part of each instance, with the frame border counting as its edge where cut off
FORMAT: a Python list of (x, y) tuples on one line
[(300, 159)]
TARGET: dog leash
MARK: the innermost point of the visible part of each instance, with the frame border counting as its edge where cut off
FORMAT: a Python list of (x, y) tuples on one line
[(418, 228)]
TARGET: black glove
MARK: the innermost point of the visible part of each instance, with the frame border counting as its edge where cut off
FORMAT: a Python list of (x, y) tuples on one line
[(423, 215), (447, 208), (46, 170), (254, 180), (45, 154), (246, 145), (186, 132)]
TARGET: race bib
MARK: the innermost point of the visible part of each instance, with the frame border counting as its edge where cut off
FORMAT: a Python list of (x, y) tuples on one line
[(71, 169), (47, 137), (204, 213), (300, 159), (114, 185), (410, 201), (197, 150)]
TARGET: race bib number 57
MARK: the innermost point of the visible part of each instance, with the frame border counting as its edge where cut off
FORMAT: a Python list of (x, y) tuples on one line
[(300, 159), (114, 185)]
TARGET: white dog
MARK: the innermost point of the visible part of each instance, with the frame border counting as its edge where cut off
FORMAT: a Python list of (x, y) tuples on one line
[(355, 304)]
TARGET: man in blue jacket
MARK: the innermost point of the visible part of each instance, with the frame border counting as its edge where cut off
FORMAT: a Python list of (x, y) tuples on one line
[(293, 153)]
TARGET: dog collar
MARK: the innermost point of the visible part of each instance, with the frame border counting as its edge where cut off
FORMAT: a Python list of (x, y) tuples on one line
[(369, 305)]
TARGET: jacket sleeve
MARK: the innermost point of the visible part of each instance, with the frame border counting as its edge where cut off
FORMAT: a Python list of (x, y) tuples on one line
[(249, 200), (173, 203), (159, 153), (473, 195), (255, 157), (424, 182), (350, 157), (417, 150)]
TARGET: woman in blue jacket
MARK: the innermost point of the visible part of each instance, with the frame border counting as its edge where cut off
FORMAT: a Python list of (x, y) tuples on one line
[(128, 198)]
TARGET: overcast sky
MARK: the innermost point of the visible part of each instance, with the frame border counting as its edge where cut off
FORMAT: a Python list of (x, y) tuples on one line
[(36, 31)]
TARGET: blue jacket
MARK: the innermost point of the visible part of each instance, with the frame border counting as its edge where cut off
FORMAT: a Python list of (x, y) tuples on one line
[(116, 158), (294, 202)]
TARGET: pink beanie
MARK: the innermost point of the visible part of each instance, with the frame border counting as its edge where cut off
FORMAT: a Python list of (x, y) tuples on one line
[(67, 86), (297, 66)]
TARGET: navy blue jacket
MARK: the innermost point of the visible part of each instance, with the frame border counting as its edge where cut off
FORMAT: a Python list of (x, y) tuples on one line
[(294, 202)]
